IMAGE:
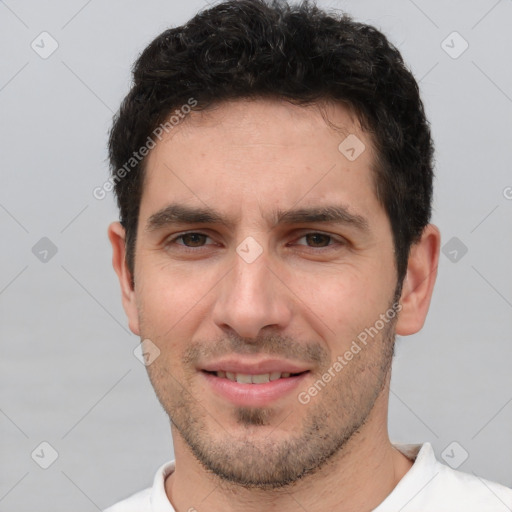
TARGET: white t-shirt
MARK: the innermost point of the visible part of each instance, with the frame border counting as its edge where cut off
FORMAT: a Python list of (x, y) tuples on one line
[(429, 486)]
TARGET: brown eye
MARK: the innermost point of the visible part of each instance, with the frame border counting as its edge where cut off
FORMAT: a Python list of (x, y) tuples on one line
[(192, 239), (318, 239)]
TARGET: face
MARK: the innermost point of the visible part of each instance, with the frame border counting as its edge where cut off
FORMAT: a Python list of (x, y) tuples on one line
[(262, 256)]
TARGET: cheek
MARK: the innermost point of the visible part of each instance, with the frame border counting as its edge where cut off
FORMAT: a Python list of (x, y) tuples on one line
[(170, 299), (342, 302)]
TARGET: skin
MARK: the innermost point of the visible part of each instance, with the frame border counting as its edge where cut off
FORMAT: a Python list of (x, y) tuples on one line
[(304, 299)]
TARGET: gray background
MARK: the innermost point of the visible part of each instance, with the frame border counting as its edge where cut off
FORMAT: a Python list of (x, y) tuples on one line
[(68, 373)]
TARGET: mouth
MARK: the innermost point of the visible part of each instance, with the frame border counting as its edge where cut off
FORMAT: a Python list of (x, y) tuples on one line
[(246, 378), (254, 387)]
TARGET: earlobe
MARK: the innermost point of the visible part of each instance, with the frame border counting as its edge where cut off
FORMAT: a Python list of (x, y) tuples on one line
[(419, 282), (117, 237)]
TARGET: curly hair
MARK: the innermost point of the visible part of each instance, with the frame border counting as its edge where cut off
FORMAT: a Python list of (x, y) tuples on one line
[(297, 53)]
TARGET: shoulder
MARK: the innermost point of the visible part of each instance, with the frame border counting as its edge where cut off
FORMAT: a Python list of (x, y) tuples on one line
[(150, 499), (138, 502), (433, 486), (459, 488)]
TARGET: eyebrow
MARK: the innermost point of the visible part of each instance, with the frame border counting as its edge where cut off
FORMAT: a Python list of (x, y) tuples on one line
[(336, 214), (183, 214)]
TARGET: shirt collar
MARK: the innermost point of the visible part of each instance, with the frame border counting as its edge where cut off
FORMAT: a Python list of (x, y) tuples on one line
[(158, 498), (422, 472)]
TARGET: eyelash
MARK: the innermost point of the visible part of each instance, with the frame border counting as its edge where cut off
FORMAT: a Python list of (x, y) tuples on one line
[(184, 247)]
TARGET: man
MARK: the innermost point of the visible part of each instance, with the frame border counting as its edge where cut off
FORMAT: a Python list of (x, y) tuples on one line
[(273, 169)]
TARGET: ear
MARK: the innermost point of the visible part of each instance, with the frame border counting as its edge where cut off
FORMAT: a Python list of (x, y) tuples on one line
[(419, 282), (117, 237)]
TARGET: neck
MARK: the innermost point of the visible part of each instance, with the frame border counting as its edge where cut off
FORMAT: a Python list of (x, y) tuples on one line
[(359, 477)]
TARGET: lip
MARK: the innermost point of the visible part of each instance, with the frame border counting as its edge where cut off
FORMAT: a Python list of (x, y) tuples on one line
[(253, 395), (255, 367)]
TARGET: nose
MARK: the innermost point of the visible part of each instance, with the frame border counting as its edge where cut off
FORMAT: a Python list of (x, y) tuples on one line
[(252, 297)]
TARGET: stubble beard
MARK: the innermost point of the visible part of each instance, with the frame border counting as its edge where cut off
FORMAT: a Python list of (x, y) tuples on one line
[(332, 419)]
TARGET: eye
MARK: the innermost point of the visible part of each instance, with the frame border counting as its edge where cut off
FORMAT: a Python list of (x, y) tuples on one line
[(189, 240), (318, 240)]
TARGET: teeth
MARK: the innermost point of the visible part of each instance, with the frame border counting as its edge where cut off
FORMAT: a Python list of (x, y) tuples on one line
[(260, 379), (252, 379), (244, 379)]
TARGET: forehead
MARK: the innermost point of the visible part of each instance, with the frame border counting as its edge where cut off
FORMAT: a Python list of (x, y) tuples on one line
[(246, 157)]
